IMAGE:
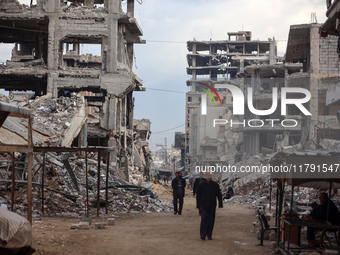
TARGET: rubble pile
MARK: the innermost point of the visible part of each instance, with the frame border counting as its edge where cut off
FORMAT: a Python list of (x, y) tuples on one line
[(53, 117), (142, 153), (254, 189), (63, 198)]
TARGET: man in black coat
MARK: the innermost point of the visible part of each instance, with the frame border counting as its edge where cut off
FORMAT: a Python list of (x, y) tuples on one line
[(178, 188), (207, 193), (320, 213), (197, 183)]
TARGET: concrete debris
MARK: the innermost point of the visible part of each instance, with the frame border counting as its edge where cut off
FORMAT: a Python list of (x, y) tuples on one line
[(81, 225), (100, 225), (63, 199), (330, 144), (111, 221)]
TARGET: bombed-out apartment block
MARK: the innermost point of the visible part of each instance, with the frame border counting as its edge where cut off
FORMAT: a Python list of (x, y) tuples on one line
[(142, 152), (311, 64), (84, 46), (180, 144), (211, 63)]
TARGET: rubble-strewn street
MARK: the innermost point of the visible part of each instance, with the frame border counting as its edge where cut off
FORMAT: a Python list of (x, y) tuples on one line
[(161, 233)]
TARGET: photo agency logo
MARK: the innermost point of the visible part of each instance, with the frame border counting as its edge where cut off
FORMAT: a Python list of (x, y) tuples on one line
[(238, 104)]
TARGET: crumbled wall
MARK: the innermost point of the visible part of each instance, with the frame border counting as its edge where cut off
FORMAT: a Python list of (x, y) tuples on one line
[(11, 6), (329, 59)]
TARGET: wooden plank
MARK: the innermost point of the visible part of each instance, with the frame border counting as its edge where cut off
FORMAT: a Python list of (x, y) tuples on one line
[(15, 148), (29, 171)]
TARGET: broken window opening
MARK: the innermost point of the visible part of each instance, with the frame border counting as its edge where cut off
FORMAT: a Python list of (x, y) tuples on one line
[(124, 6), (22, 54), (28, 2), (5, 52), (76, 55), (84, 3)]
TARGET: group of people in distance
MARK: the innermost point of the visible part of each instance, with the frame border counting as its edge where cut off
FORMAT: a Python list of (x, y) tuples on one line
[(207, 192)]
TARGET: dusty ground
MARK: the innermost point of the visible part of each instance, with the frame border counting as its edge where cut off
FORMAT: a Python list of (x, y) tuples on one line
[(154, 233)]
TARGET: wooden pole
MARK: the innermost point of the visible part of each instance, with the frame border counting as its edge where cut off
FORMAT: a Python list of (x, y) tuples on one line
[(87, 186), (42, 183), (13, 183), (107, 181), (98, 184), (29, 170)]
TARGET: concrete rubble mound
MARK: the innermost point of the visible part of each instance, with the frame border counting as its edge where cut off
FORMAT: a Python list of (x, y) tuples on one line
[(58, 122), (63, 198)]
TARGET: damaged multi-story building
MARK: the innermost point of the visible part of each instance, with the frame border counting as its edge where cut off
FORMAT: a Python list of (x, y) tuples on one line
[(48, 58), (211, 63), (311, 64)]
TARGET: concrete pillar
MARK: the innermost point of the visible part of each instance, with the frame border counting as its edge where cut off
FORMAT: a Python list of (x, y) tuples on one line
[(112, 114), (241, 65), (82, 137), (286, 77), (60, 53), (113, 155), (112, 50), (76, 48), (130, 51), (51, 6), (193, 76), (120, 46), (314, 78), (131, 8), (113, 6), (118, 114), (51, 84), (52, 56), (272, 53)]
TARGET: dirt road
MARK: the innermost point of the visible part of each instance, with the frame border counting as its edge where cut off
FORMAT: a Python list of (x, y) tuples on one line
[(154, 233)]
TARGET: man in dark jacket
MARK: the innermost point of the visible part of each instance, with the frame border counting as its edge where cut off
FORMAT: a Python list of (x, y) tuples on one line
[(320, 213), (197, 183), (178, 188), (207, 193)]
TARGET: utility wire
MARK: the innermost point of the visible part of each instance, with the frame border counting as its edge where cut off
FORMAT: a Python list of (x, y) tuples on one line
[(164, 90), (164, 41), (154, 41), (167, 129)]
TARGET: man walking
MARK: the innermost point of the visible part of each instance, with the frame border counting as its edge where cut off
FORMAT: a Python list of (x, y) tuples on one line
[(178, 189), (197, 183), (207, 193)]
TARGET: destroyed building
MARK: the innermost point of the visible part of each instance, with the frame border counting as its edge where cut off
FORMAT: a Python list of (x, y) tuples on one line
[(180, 144), (211, 63), (48, 58), (142, 151), (310, 63)]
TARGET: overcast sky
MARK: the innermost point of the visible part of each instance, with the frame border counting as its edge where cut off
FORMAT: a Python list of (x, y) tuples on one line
[(167, 25)]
